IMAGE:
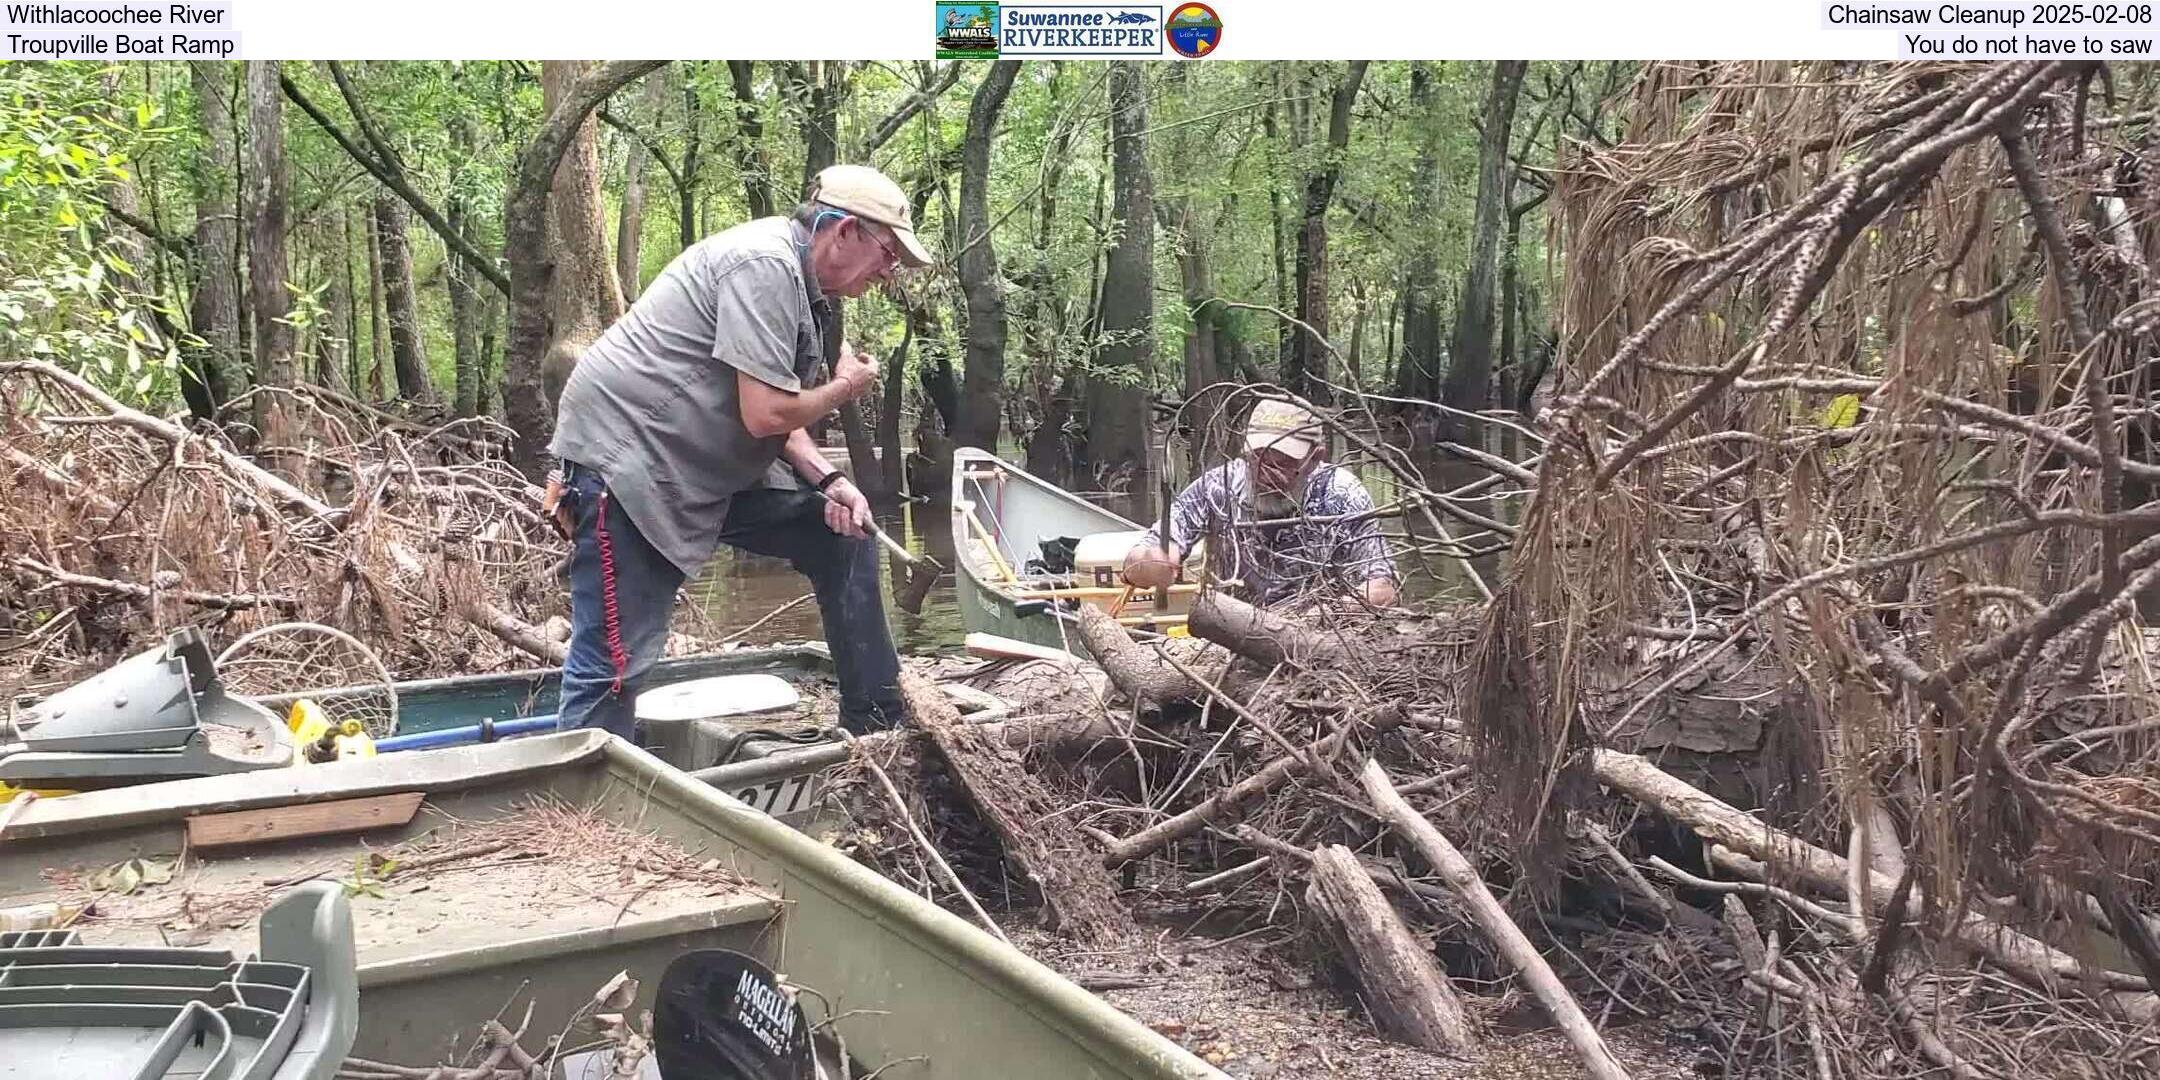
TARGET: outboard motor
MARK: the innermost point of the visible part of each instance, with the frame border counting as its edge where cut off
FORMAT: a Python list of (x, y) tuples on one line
[(721, 1015)]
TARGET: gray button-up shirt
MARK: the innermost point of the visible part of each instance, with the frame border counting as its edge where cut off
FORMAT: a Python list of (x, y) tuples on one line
[(652, 405)]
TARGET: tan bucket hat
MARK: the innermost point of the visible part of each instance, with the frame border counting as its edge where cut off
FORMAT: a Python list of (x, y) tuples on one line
[(1283, 428), (868, 193)]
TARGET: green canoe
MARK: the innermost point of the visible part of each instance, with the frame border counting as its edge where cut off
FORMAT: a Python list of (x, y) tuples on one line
[(1002, 517)]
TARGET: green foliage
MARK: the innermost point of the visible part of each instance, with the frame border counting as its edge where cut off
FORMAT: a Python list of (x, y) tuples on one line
[(67, 282)]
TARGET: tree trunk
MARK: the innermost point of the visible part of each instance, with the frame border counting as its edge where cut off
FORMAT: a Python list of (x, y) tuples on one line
[(378, 338), (1277, 227), (822, 84), (750, 158), (686, 193), (525, 248), (1117, 405), (464, 319), (333, 351), (1407, 994), (982, 404), (1469, 375), (214, 309), (352, 301), (630, 230), (891, 476), (267, 273), (1049, 396), (1417, 374), (491, 387), (1511, 359), (408, 347), (464, 302), (1354, 360), (1308, 366), (584, 298)]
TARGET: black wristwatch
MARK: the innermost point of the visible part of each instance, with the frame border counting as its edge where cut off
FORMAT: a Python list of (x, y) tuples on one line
[(829, 479)]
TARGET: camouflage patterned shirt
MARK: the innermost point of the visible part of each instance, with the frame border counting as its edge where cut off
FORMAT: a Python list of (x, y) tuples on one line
[(1330, 547)]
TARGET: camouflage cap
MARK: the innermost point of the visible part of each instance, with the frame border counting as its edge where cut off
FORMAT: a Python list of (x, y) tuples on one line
[(1283, 428)]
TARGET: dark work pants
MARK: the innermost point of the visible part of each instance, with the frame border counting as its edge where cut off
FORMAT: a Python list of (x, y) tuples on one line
[(622, 596)]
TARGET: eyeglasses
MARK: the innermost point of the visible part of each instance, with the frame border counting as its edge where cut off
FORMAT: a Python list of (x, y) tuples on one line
[(892, 257)]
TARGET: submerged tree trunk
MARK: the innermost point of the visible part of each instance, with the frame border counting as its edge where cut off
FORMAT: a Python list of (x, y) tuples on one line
[(1117, 401), (408, 347), (1469, 379), (982, 403), (213, 369), (266, 249), (1307, 369), (1417, 373)]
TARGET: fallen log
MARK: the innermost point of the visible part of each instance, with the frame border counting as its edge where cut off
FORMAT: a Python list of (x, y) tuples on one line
[(514, 631), (1407, 994), (1258, 635), (222, 601), (1228, 802), (1486, 911), (1136, 671), (1028, 820), (1774, 852)]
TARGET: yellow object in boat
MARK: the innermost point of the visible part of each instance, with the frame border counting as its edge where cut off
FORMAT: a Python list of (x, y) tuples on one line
[(9, 791), (1177, 630), (318, 740)]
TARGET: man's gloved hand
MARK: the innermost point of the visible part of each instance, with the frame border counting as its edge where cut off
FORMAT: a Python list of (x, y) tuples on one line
[(846, 511)]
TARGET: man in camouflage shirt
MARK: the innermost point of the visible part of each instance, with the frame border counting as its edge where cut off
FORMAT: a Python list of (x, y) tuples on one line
[(1279, 519)]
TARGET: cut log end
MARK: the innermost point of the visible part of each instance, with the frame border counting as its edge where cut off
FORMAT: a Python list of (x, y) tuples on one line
[(1409, 997)]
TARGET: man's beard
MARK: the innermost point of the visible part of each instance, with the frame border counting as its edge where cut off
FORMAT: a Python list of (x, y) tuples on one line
[(1269, 505)]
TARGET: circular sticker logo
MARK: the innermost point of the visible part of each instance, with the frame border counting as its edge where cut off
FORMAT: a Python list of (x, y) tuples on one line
[(1195, 30)]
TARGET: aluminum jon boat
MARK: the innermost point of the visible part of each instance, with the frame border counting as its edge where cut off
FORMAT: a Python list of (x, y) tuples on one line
[(531, 871)]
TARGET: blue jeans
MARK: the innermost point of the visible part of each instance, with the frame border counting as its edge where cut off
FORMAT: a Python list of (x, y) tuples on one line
[(613, 647)]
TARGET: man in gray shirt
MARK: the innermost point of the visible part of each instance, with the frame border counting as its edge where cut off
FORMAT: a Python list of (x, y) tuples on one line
[(672, 423)]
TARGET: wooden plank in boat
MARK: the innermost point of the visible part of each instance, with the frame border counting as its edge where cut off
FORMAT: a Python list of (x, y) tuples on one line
[(994, 647), (238, 827)]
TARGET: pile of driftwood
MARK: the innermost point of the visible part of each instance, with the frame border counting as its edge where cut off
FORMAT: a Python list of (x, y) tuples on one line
[(1813, 713), (413, 535)]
